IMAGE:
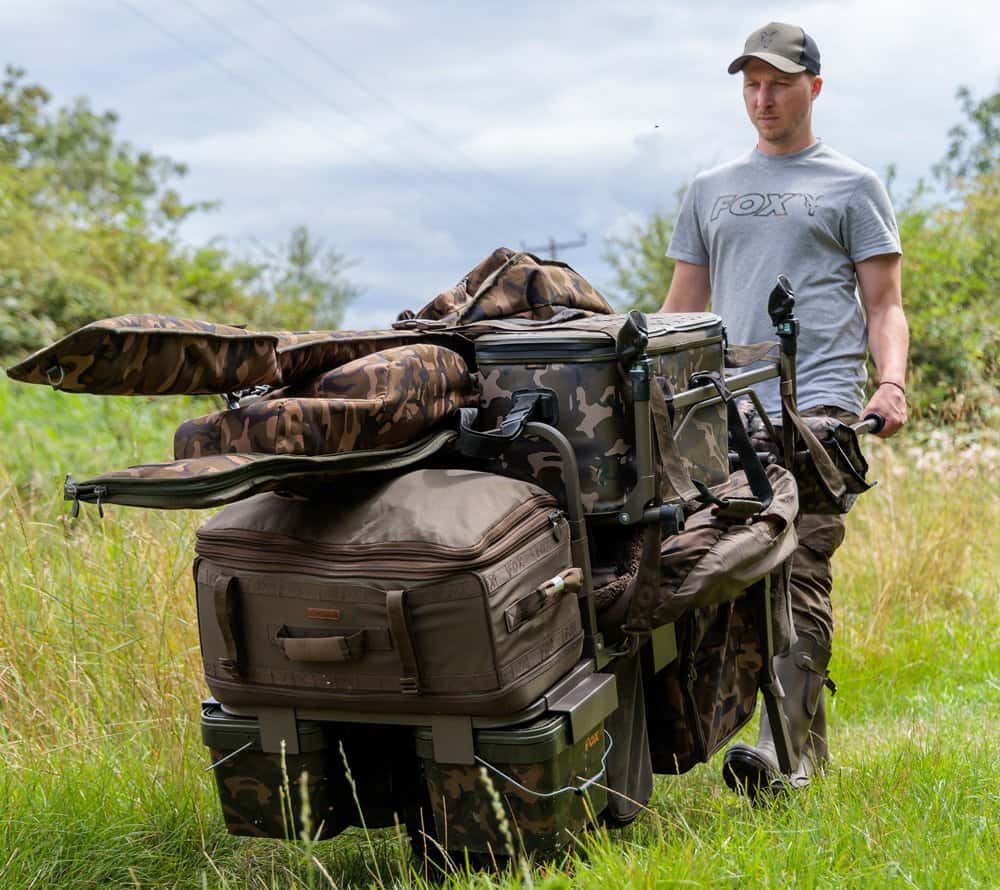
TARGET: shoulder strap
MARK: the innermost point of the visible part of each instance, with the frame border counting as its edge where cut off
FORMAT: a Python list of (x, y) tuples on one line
[(760, 485)]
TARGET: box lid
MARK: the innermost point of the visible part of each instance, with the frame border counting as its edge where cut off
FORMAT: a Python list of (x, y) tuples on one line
[(228, 732), (535, 742), (593, 338)]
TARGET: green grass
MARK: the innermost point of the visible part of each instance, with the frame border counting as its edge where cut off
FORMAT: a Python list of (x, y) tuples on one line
[(102, 777)]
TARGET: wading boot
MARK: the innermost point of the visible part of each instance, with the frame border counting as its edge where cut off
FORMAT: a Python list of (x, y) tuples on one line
[(815, 752), (753, 770)]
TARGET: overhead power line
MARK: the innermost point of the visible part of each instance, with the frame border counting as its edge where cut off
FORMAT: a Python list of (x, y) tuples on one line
[(442, 141), (469, 207), (249, 85), (472, 204), (325, 99)]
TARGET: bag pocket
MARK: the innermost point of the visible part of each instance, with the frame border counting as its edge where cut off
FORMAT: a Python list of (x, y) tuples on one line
[(702, 698)]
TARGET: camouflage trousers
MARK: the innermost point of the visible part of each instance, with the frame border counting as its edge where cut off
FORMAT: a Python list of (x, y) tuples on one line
[(811, 577)]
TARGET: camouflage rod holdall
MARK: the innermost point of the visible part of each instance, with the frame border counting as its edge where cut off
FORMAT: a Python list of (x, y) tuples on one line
[(154, 355)]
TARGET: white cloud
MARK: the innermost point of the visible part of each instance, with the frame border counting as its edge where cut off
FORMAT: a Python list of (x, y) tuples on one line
[(545, 115)]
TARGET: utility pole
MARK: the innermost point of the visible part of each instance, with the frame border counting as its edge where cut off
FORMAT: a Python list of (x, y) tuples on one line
[(553, 247)]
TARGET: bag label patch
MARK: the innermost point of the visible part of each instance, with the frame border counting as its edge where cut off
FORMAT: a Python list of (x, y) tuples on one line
[(512, 567)]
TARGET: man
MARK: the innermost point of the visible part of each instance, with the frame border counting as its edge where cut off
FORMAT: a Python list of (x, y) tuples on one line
[(796, 206)]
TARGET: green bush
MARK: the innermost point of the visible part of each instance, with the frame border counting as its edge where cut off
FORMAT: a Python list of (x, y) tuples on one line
[(89, 229)]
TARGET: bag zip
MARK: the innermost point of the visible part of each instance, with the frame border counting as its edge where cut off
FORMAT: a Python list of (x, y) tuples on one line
[(575, 352), (362, 552), (215, 489), (690, 677), (250, 558)]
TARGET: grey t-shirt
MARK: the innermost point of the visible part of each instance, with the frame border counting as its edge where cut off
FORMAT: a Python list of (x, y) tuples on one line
[(811, 216)]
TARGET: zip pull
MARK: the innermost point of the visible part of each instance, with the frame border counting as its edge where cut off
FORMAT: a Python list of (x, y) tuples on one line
[(554, 519)]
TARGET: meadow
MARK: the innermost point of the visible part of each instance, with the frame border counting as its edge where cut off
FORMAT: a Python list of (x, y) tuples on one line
[(102, 768)]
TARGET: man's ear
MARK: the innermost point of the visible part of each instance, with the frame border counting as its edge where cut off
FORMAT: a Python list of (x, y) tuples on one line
[(817, 87)]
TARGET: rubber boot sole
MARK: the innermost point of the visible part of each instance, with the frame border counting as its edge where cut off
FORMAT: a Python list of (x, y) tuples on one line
[(745, 771)]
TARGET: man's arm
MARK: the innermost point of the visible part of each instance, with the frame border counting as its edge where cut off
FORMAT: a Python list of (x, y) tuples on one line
[(888, 336), (690, 289)]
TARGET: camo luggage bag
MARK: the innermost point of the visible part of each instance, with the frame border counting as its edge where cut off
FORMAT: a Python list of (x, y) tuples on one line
[(576, 366), (438, 591)]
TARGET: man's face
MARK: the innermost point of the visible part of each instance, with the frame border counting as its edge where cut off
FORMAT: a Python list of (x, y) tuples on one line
[(779, 104)]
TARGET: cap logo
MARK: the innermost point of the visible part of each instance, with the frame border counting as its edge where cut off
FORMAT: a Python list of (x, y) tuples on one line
[(765, 38)]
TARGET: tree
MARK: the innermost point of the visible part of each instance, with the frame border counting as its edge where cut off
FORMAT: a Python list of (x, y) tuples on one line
[(642, 268), (976, 152), (951, 273), (89, 229), (304, 284)]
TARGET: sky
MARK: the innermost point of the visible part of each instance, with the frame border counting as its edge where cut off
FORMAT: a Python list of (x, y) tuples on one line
[(417, 137)]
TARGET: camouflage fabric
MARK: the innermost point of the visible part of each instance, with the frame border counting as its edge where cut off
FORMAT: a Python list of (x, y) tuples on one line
[(714, 560), (508, 284), (828, 487), (709, 691), (382, 400), (819, 533), (153, 355), (251, 790), (304, 354), (465, 819), (594, 413), (223, 478)]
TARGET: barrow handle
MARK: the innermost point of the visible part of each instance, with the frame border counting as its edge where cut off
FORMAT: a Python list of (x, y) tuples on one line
[(872, 423)]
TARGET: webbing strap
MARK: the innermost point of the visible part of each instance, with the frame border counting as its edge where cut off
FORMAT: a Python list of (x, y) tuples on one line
[(672, 468), (647, 581), (829, 476), (395, 607), (760, 485), (225, 594)]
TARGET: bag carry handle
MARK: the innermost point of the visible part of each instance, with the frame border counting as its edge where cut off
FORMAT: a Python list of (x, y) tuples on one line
[(529, 405), (226, 599), (760, 485), (543, 596), (336, 649)]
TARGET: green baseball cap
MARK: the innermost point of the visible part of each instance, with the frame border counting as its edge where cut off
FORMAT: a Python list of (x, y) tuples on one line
[(787, 47)]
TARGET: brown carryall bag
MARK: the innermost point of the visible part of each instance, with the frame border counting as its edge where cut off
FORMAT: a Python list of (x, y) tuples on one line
[(383, 400), (440, 591)]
